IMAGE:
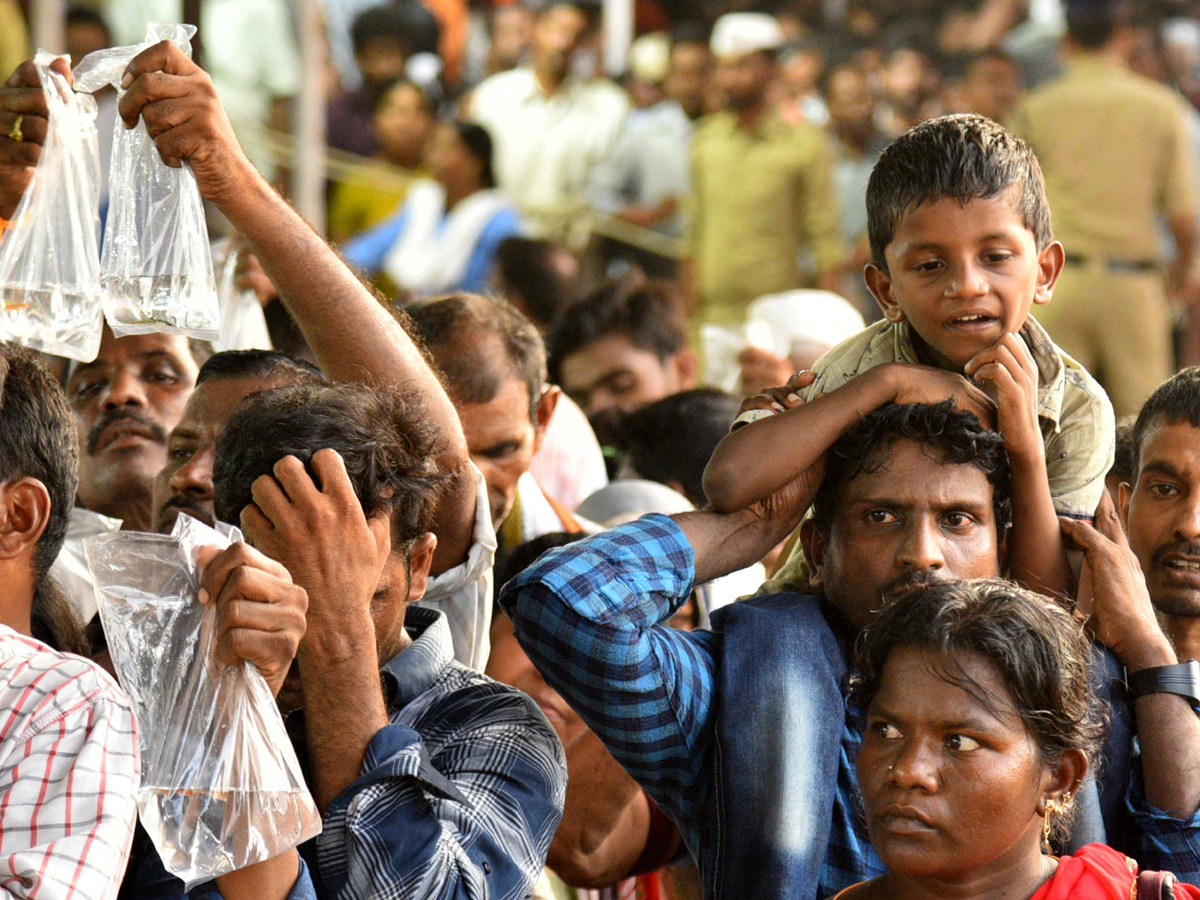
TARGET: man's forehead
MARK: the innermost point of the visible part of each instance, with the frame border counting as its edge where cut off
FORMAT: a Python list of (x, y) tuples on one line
[(215, 399), (912, 473), (116, 351), (1171, 446)]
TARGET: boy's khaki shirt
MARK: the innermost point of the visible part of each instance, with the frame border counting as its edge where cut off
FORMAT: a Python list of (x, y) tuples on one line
[(1076, 416)]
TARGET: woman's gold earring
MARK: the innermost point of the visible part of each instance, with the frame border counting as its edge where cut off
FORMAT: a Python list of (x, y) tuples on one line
[(1051, 809)]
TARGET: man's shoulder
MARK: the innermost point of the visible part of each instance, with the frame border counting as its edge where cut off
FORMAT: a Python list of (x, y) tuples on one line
[(503, 86), (39, 685), (771, 608)]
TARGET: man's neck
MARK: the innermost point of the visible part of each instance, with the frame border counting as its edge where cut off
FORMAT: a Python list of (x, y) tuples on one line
[(456, 193), (748, 117), (1184, 634), (550, 82), (135, 510), (1111, 54), (16, 599)]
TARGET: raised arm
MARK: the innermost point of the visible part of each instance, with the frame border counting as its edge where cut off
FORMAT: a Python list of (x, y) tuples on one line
[(353, 337), (754, 461)]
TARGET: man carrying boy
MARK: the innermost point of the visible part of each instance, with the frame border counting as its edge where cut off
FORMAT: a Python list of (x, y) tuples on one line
[(961, 250)]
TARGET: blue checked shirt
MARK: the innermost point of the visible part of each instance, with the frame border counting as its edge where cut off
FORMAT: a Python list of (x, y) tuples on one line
[(592, 617)]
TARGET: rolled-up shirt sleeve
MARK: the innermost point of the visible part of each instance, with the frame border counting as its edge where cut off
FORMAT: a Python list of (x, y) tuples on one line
[(1166, 843), (592, 618)]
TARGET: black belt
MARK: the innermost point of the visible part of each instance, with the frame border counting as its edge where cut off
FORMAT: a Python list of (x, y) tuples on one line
[(1115, 265)]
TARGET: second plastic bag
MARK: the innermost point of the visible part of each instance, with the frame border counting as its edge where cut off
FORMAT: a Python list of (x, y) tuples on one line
[(156, 266), (49, 255), (221, 786)]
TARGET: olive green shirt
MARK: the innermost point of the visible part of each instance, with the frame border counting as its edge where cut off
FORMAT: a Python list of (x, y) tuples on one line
[(760, 196), (1075, 414), (1116, 153)]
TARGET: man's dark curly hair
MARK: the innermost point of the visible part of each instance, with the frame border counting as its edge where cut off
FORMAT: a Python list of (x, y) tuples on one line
[(1040, 652), (949, 436), (384, 437)]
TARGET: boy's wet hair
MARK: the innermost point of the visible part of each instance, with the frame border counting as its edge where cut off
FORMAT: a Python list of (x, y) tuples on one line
[(963, 157)]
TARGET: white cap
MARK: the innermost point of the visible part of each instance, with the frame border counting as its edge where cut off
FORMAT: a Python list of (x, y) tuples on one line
[(737, 34), (650, 57), (819, 317)]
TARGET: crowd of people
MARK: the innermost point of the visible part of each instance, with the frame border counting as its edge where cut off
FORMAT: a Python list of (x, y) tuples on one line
[(766, 545)]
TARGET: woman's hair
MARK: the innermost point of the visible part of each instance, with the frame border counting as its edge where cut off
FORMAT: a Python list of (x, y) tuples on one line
[(1037, 648), (477, 140)]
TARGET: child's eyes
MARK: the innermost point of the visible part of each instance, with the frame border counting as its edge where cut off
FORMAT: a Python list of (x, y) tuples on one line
[(999, 257), (932, 266)]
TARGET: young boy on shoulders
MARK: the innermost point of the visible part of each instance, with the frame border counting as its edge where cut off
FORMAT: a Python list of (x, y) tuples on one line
[(961, 249)]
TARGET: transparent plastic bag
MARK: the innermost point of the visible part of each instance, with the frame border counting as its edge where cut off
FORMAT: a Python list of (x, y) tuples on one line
[(221, 786), (243, 325), (49, 255), (156, 266)]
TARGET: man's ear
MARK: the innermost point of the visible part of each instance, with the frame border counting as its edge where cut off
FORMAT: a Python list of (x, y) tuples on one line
[(687, 368), (547, 404), (420, 559), (1124, 495), (1050, 266), (24, 514), (815, 542), (879, 283)]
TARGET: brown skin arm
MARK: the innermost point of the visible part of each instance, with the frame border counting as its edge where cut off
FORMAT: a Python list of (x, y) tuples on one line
[(352, 336), (1036, 554), (336, 554), (606, 819), (271, 879), (21, 95), (758, 459), (1123, 619)]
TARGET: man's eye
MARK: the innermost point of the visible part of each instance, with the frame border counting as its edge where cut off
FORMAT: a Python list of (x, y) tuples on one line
[(960, 743), (880, 516), (161, 375), (999, 257), (179, 454), (81, 390), (1162, 489), (958, 520)]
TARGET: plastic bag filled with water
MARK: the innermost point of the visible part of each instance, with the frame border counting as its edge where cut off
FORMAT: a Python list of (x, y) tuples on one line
[(221, 787), (49, 255), (156, 266)]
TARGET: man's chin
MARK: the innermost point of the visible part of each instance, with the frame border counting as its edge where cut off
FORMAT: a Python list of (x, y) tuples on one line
[(166, 519)]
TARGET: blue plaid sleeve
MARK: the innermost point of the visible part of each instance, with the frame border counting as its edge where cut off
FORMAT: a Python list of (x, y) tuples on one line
[(1167, 844), (591, 617)]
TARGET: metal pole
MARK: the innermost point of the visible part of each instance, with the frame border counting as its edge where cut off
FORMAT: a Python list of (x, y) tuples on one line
[(49, 26), (308, 157), (618, 34)]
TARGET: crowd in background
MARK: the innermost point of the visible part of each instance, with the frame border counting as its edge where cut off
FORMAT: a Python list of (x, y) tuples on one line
[(580, 284)]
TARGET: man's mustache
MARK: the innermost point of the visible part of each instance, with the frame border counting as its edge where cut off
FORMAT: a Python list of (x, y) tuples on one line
[(917, 580), (121, 415), (197, 509), (1189, 549)]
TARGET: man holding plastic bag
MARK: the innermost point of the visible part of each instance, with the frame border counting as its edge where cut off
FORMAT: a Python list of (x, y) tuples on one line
[(68, 741)]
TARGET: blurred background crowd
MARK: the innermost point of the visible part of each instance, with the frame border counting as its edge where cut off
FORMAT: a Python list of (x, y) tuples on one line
[(539, 149)]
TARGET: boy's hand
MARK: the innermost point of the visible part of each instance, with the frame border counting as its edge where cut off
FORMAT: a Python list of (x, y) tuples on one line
[(1009, 370), (1123, 617), (778, 399), (925, 384)]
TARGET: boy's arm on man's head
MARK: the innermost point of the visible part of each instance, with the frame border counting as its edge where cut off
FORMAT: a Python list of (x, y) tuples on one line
[(753, 462)]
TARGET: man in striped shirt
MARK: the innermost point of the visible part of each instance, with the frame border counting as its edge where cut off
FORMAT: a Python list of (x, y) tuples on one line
[(68, 740)]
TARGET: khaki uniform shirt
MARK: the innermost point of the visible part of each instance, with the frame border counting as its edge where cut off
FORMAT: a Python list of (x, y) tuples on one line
[(1074, 412), (1116, 153), (761, 195)]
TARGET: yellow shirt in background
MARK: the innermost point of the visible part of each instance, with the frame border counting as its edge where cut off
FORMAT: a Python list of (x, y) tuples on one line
[(760, 197)]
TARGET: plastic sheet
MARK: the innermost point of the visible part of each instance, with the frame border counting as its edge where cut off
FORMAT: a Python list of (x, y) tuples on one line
[(243, 325), (156, 266), (221, 787), (49, 255)]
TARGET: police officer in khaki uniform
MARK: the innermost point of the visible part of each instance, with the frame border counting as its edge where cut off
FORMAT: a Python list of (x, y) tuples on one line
[(1117, 158)]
